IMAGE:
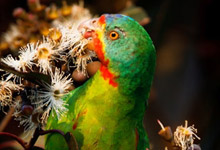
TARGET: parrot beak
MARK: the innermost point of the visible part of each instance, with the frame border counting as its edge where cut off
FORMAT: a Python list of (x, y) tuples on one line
[(88, 25), (87, 29)]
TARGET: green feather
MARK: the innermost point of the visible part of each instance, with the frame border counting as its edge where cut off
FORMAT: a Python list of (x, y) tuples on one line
[(100, 115)]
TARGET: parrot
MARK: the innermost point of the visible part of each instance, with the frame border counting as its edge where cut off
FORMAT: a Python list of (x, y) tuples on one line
[(107, 111)]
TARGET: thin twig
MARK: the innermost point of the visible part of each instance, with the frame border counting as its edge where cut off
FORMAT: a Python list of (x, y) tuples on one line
[(7, 144), (6, 119), (34, 77), (33, 139), (15, 137), (38, 132), (51, 131)]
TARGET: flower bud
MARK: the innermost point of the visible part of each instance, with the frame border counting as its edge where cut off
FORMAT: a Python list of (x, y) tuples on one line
[(27, 110)]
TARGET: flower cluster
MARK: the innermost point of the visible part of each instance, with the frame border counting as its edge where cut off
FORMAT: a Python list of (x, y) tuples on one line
[(30, 26), (184, 136), (61, 54), (6, 91)]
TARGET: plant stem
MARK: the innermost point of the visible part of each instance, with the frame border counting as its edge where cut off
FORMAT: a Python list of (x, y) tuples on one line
[(15, 137), (6, 119), (34, 139), (38, 132), (51, 131)]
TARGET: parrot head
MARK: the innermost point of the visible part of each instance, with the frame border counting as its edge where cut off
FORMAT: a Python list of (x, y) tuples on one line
[(124, 48)]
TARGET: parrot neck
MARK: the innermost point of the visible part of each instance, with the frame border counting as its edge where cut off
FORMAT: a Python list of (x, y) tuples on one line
[(99, 49), (110, 97), (107, 75)]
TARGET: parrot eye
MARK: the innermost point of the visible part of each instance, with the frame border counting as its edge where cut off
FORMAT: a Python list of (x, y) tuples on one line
[(113, 35)]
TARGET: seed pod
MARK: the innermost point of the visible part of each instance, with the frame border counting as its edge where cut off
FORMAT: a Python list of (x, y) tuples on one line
[(35, 5), (20, 13), (55, 34), (18, 42), (52, 12), (33, 39), (64, 67), (26, 83), (165, 132), (93, 67), (65, 10), (27, 110), (3, 45), (195, 147), (44, 28), (79, 76)]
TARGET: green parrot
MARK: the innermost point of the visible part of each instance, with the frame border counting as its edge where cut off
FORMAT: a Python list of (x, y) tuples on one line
[(106, 112)]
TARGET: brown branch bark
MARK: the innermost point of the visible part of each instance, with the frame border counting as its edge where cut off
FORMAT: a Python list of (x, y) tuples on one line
[(6, 119)]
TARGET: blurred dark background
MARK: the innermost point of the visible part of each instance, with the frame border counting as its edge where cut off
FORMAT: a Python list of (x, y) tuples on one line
[(187, 83)]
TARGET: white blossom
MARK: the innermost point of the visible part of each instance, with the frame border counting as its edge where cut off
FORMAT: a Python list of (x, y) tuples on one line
[(44, 55), (12, 62), (6, 88), (25, 58), (11, 35), (51, 97), (28, 123), (184, 136)]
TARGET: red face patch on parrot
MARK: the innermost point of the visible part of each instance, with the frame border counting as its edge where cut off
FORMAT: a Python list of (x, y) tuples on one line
[(97, 45), (105, 62), (102, 19), (108, 75)]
